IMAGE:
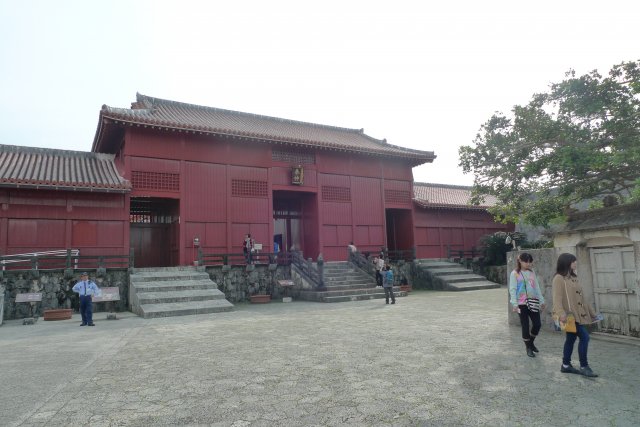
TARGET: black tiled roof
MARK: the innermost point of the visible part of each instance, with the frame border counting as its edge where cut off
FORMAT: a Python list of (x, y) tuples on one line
[(155, 112), (429, 195), (30, 167)]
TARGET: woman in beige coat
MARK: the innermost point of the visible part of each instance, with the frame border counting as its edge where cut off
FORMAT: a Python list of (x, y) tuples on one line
[(568, 297)]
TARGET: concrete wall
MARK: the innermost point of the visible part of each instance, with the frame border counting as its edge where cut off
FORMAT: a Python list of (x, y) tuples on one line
[(544, 265)]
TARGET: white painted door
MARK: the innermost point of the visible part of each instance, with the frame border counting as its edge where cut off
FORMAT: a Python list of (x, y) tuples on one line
[(614, 283)]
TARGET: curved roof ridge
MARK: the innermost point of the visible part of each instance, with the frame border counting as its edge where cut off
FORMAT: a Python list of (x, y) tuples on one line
[(58, 151), (433, 184), (145, 98)]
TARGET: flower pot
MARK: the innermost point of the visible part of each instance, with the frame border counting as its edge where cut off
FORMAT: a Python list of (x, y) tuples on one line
[(405, 288), (59, 314), (260, 299)]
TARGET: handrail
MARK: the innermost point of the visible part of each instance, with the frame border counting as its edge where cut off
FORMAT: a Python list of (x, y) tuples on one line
[(360, 261), (280, 258), (463, 253), (401, 254), (54, 260), (306, 267)]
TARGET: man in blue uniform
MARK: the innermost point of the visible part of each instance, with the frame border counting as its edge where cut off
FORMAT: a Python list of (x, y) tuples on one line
[(86, 289)]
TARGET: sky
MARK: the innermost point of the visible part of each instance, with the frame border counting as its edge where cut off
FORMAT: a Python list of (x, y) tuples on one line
[(424, 76)]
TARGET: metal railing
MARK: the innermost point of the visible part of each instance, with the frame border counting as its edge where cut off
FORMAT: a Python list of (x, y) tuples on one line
[(407, 255), (463, 253), (260, 258), (63, 259)]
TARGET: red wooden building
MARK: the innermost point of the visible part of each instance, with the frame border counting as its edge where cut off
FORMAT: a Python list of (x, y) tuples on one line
[(57, 199), (165, 178), (445, 217), (214, 175)]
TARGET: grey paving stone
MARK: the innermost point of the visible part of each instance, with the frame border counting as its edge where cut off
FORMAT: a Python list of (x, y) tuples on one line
[(435, 358)]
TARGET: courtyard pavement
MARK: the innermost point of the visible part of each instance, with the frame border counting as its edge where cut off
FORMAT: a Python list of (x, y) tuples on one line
[(433, 359)]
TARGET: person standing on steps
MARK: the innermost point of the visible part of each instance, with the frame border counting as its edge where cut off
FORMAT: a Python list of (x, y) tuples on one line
[(523, 288), (378, 264), (388, 284), (86, 289)]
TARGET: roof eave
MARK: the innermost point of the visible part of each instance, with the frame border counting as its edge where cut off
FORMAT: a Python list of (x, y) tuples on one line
[(414, 158)]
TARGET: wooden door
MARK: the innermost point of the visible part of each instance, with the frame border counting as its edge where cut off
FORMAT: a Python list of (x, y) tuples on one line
[(151, 244), (614, 288)]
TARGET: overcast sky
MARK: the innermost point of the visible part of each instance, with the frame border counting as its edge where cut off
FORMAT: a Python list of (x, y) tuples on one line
[(420, 75)]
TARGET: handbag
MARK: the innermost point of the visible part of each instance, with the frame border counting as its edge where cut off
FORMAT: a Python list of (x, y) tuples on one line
[(533, 304), (569, 325)]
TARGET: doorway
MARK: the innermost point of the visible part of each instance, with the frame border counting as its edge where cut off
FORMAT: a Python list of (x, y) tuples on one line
[(154, 231), (287, 223), (399, 230), (295, 219)]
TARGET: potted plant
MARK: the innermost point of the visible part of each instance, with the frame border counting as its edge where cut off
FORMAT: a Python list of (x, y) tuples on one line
[(259, 294)]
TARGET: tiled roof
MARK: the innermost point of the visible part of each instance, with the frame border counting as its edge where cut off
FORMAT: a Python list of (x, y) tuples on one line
[(447, 196), (28, 167), (148, 111)]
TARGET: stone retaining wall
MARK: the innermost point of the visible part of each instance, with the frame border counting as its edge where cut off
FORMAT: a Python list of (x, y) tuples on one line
[(239, 282), (56, 291)]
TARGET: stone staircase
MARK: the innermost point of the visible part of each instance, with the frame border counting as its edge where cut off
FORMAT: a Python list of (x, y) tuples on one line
[(343, 283), (452, 276), (174, 291)]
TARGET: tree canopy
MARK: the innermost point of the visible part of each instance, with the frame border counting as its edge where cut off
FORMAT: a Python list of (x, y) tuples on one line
[(578, 141)]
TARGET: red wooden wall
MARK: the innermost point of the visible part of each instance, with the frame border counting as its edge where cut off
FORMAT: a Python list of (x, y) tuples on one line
[(462, 229), (42, 220), (226, 190)]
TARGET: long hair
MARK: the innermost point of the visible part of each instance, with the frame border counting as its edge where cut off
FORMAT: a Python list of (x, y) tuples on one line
[(524, 257), (563, 267)]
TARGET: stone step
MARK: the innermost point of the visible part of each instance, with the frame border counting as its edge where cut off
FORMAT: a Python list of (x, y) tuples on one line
[(167, 286), (346, 287), (347, 298), (451, 271), (185, 308), (472, 286), (436, 264), (455, 278), (156, 276), (354, 280), (179, 296)]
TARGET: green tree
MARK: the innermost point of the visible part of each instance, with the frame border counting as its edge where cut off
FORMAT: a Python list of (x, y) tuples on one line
[(578, 141)]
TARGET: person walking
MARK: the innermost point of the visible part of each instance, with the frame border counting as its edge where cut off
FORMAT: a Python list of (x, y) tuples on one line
[(86, 289), (568, 299), (388, 285), (526, 300)]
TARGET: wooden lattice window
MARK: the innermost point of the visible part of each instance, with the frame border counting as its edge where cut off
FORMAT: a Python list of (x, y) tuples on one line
[(161, 181), (247, 188), (293, 157), (397, 196), (331, 193)]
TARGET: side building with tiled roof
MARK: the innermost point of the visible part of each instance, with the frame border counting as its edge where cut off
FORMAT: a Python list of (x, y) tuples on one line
[(445, 218), (58, 199), (204, 176)]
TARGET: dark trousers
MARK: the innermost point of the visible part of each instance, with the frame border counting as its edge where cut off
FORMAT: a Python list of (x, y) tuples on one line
[(525, 315), (387, 292), (86, 309), (583, 345), (378, 278)]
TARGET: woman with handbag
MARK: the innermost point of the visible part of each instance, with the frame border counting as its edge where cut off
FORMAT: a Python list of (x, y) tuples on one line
[(526, 300), (572, 312)]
